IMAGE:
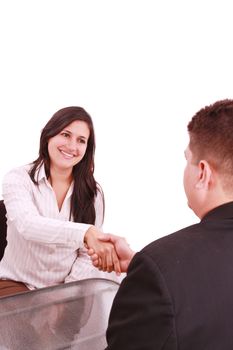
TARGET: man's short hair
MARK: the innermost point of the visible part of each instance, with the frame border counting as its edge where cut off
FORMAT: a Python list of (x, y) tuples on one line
[(211, 137)]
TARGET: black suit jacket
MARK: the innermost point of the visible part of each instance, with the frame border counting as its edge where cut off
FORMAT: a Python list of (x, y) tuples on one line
[(178, 293)]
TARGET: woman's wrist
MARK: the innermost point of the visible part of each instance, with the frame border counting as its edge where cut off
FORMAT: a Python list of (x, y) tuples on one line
[(90, 232)]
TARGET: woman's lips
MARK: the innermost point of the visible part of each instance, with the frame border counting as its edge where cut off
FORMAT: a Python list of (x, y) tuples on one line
[(67, 155)]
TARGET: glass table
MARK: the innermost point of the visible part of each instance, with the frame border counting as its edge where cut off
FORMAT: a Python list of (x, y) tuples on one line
[(68, 316)]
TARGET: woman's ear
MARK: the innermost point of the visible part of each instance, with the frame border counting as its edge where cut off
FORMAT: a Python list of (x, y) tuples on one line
[(204, 175)]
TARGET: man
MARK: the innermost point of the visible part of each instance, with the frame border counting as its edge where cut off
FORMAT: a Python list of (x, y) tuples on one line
[(178, 293)]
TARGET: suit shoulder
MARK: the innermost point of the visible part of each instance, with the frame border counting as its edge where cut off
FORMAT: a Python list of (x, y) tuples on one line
[(174, 242)]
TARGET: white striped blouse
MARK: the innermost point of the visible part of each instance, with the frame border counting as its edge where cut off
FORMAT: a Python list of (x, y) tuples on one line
[(44, 248)]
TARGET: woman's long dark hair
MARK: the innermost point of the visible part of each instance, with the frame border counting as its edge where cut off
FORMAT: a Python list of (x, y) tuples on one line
[(85, 186)]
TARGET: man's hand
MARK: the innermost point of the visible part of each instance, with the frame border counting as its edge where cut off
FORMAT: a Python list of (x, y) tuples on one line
[(124, 252)]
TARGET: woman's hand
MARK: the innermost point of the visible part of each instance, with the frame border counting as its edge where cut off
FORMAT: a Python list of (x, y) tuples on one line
[(104, 250)]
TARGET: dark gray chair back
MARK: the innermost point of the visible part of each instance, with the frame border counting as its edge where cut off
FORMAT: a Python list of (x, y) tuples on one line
[(3, 228)]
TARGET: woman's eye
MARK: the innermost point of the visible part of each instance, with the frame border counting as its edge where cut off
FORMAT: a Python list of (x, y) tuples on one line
[(65, 134), (82, 141)]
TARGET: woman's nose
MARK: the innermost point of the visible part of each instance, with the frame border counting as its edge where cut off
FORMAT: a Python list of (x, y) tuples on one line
[(73, 145)]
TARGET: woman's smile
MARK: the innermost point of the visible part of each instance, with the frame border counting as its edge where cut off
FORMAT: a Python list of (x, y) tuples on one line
[(67, 155)]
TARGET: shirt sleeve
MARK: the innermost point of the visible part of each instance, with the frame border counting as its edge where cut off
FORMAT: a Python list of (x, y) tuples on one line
[(142, 313), (23, 214), (82, 268)]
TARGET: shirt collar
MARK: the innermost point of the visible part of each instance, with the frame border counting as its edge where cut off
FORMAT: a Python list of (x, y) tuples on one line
[(224, 211), (40, 173)]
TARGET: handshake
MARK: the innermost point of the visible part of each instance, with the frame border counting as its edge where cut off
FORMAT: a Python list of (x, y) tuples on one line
[(108, 252)]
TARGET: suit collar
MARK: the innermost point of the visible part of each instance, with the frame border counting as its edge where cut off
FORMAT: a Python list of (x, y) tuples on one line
[(224, 211)]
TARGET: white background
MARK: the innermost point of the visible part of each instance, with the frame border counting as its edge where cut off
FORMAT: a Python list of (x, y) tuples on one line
[(141, 69)]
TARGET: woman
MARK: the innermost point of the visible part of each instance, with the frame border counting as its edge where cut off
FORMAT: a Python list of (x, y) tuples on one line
[(52, 206)]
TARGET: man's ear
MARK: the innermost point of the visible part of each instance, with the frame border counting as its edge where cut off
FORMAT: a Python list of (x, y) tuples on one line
[(204, 175)]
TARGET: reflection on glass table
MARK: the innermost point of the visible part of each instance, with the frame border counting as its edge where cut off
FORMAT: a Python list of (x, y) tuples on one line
[(68, 316)]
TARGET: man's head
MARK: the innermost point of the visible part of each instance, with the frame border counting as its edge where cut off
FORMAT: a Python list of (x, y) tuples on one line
[(208, 177)]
